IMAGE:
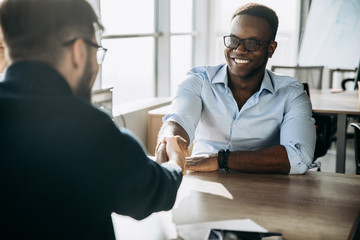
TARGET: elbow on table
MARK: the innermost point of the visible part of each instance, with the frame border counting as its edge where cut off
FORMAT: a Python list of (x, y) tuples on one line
[(300, 158), (300, 168)]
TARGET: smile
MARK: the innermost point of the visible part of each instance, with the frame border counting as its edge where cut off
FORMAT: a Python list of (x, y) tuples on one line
[(241, 60)]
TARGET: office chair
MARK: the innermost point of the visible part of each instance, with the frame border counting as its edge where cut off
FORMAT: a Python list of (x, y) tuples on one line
[(357, 146), (347, 77), (350, 78), (324, 131), (347, 83), (312, 75)]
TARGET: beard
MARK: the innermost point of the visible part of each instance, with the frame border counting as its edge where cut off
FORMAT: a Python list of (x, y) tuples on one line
[(84, 87)]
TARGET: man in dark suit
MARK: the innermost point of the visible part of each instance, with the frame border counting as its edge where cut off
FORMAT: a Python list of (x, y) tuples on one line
[(64, 165)]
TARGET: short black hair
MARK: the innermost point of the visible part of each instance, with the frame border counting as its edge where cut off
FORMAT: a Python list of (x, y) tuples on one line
[(260, 11), (35, 29)]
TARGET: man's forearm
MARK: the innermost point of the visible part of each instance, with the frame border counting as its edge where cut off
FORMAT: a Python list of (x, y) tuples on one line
[(172, 129), (270, 160)]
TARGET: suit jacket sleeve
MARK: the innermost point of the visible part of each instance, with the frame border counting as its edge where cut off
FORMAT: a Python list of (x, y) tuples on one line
[(137, 186)]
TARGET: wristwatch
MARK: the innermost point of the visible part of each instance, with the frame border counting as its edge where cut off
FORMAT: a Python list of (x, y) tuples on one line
[(223, 159)]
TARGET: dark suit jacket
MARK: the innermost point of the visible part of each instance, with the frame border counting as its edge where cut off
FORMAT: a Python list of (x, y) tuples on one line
[(64, 165)]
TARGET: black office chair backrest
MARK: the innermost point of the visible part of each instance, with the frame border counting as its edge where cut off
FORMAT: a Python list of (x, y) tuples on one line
[(306, 89), (348, 84), (346, 77), (357, 145), (325, 130), (357, 78), (311, 75)]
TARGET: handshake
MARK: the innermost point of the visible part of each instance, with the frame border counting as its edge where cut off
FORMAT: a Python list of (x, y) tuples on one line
[(174, 149)]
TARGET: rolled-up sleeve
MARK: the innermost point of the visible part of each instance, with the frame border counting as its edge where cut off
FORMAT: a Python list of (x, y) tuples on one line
[(298, 133), (187, 105)]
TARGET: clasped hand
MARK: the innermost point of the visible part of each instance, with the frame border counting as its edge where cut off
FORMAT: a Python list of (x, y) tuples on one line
[(203, 163)]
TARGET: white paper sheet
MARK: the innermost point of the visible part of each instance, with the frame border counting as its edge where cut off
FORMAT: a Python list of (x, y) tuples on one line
[(158, 226)]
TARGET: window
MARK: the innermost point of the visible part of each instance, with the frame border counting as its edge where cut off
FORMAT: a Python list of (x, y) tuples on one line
[(181, 59), (129, 68), (149, 46), (181, 41), (153, 43)]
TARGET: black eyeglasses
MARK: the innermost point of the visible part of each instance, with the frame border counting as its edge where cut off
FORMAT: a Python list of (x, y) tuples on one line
[(101, 51), (250, 45)]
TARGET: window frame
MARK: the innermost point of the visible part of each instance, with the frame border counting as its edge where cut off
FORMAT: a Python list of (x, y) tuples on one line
[(162, 41), (202, 38)]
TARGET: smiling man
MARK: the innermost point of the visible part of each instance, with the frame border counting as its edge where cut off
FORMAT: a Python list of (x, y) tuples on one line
[(240, 115)]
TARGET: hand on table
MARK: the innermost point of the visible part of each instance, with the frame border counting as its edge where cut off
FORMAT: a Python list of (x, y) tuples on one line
[(202, 163)]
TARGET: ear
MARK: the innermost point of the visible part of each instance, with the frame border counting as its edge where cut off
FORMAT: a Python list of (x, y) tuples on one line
[(73, 64), (271, 48), (78, 56)]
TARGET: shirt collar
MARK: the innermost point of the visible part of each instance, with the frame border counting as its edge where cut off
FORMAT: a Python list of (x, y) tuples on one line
[(37, 78), (222, 77), (267, 83)]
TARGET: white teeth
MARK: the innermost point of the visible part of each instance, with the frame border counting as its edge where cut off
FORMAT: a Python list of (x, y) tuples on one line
[(241, 60)]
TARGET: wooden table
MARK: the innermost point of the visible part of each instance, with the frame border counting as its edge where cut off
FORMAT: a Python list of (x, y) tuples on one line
[(341, 104), (316, 205)]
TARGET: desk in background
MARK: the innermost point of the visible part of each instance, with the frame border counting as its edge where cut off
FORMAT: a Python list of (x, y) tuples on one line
[(312, 206), (342, 104)]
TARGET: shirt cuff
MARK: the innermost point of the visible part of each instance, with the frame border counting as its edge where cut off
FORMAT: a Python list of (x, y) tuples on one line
[(299, 157)]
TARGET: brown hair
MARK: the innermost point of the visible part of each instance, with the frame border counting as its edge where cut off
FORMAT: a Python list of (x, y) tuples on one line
[(37, 29)]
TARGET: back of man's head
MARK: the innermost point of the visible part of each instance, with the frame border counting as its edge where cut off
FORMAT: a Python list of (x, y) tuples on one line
[(260, 11), (37, 29)]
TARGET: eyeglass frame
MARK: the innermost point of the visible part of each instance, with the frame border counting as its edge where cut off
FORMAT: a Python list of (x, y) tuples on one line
[(101, 51), (242, 41)]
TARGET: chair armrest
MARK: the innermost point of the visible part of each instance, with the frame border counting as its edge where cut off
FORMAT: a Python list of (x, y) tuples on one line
[(344, 81), (356, 125)]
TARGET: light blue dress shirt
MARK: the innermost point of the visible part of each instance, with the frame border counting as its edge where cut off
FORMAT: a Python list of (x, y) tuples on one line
[(279, 113)]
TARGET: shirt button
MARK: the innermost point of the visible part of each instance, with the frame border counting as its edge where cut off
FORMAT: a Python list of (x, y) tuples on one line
[(230, 145), (234, 126)]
